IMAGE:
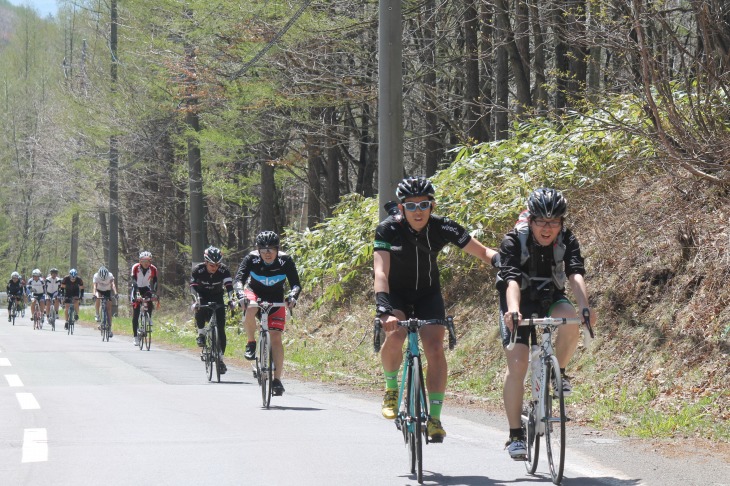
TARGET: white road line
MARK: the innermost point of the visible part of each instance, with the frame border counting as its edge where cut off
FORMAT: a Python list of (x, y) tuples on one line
[(27, 401), (13, 380), (4, 362), (35, 445)]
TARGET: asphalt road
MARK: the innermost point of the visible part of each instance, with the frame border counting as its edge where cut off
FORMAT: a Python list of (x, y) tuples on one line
[(78, 411)]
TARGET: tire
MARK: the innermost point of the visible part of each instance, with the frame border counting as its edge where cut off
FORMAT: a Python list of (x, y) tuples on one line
[(555, 421), (148, 335), (52, 317), (216, 353), (144, 317), (531, 437), (208, 350), (265, 369), (71, 319), (418, 416), (36, 320), (13, 311)]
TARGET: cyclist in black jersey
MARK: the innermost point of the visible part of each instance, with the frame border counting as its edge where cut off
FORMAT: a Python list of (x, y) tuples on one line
[(209, 281), (532, 282), (407, 278), (262, 274), (15, 290)]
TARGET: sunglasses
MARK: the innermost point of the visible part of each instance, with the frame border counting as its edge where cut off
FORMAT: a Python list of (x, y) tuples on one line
[(550, 224), (412, 206), (268, 249)]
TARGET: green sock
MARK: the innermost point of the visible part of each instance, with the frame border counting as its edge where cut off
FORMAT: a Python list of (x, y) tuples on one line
[(437, 401), (391, 380)]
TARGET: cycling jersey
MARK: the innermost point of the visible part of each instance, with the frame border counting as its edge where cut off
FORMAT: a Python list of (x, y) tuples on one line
[(15, 288), (72, 289), (144, 278), (541, 258), (267, 281), (103, 285), (208, 284), (36, 287), (52, 285), (413, 254)]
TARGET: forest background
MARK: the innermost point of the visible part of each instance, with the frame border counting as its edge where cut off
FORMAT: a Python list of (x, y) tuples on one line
[(270, 108)]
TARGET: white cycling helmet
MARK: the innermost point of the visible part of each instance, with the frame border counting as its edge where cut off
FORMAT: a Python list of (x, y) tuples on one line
[(36, 273), (145, 255), (15, 275)]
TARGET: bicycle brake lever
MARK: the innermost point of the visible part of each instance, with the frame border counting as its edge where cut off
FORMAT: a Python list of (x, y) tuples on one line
[(513, 334), (588, 334), (377, 326), (452, 332)]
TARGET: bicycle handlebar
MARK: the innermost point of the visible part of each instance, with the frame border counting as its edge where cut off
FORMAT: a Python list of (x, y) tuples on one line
[(553, 322), (262, 304), (413, 324)]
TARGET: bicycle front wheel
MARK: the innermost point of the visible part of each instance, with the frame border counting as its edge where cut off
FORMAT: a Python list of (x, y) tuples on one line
[(419, 417), (148, 334), (71, 320), (216, 353), (265, 369), (52, 317), (13, 312), (555, 420)]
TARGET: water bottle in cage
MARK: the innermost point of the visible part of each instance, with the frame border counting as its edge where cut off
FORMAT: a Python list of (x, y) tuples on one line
[(536, 370)]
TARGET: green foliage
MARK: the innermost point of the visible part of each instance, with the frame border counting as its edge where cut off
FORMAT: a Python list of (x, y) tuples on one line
[(484, 189)]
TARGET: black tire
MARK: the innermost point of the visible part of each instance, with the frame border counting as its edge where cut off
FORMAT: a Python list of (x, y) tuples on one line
[(216, 353), (13, 311), (208, 350), (148, 335), (418, 416), (52, 317), (71, 319), (529, 424), (143, 316), (555, 420), (265, 369)]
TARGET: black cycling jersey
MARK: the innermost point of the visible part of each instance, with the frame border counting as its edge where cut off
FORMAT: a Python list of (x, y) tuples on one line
[(511, 267), (267, 281), (208, 284), (413, 255), (15, 288)]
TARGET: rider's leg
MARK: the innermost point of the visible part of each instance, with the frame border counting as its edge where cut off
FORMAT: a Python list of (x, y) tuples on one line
[(566, 341), (514, 383), (277, 350), (97, 302), (249, 324), (391, 352)]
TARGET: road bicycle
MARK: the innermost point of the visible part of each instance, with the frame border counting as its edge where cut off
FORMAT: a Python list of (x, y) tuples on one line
[(211, 353), (72, 317), (412, 418), (144, 329), (37, 313), (544, 414), (263, 366), (52, 312), (105, 326)]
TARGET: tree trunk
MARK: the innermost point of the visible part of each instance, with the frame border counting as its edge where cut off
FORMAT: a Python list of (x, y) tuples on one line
[(472, 112), (268, 200), (333, 159)]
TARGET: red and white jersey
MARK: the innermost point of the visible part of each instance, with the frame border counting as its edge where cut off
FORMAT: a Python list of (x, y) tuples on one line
[(144, 278)]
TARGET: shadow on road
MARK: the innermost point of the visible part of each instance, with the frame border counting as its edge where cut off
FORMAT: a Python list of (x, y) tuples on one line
[(301, 409), (430, 477)]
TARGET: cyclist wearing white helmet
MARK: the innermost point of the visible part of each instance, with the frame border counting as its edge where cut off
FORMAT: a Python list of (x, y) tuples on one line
[(407, 283), (36, 289), (72, 288), (104, 286), (53, 285), (538, 257), (15, 290), (144, 285)]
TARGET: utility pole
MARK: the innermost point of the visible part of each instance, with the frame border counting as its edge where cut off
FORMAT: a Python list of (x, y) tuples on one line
[(390, 100), (113, 262)]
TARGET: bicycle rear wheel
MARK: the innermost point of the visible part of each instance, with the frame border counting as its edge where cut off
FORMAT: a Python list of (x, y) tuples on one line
[(555, 420), (533, 440)]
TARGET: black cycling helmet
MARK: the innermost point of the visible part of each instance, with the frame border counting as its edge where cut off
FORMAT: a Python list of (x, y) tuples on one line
[(547, 203), (267, 239), (53, 270), (414, 186), (213, 255)]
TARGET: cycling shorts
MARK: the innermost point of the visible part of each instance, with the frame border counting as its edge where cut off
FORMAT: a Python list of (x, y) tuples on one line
[(424, 304), (277, 319), (39, 297), (104, 293)]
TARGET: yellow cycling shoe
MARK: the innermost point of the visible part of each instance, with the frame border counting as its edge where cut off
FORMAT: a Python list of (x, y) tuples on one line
[(436, 432), (390, 402)]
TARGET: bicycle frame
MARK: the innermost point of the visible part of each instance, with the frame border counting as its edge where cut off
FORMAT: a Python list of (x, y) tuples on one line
[(264, 364), (413, 414), (211, 353)]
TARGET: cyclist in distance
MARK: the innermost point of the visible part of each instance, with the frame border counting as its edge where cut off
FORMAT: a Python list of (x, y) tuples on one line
[(72, 286), (36, 289), (144, 281), (104, 285), (15, 290), (53, 285), (531, 281), (407, 279), (262, 274), (208, 282)]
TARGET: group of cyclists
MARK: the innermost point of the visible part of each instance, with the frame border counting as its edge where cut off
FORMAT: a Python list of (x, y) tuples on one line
[(262, 274), (535, 260), (48, 291)]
